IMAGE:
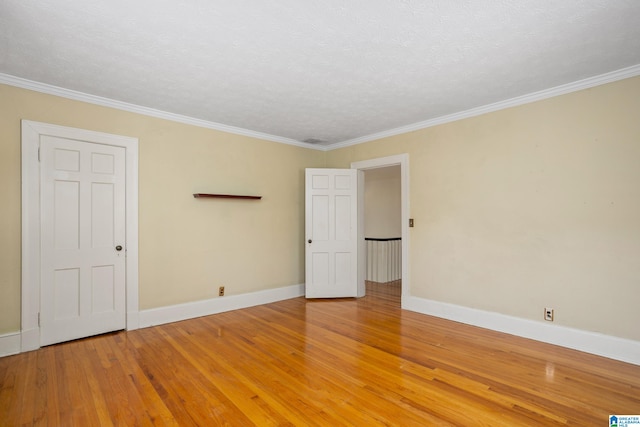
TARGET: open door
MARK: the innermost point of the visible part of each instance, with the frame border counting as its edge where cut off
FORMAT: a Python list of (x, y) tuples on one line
[(331, 233)]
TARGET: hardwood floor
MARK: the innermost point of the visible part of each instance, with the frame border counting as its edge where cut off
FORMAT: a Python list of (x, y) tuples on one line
[(356, 362)]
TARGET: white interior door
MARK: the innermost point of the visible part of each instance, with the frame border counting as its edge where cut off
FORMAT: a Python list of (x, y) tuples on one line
[(331, 256), (82, 288)]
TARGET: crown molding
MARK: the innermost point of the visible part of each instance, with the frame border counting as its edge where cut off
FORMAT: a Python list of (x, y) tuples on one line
[(587, 83), (119, 105)]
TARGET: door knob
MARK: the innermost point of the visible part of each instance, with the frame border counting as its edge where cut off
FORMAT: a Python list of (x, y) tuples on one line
[(118, 248), (309, 240)]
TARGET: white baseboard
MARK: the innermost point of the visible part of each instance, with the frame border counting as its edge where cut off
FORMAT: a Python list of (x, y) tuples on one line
[(9, 344), (28, 340), (590, 342), (175, 313)]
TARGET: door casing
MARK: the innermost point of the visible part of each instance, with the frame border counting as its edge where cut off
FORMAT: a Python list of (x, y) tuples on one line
[(403, 161), (31, 133)]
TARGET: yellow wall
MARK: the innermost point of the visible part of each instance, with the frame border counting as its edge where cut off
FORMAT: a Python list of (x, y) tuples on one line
[(529, 207), (188, 247), (382, 203), (533, 206)]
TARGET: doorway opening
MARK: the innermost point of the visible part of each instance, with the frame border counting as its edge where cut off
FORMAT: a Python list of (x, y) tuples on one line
[(383, 232), (376, 168)]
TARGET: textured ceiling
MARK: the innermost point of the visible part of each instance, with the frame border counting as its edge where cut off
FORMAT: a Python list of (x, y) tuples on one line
[(329, 70)]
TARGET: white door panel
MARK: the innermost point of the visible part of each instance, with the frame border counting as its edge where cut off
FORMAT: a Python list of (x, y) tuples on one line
[(82, 223), (331, 233)]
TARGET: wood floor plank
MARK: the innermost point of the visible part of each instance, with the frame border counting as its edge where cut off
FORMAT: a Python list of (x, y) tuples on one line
[(314, 363), (261, 375)]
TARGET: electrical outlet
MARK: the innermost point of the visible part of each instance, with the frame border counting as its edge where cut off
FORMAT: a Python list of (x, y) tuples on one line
[(548, 314), (221, 291)]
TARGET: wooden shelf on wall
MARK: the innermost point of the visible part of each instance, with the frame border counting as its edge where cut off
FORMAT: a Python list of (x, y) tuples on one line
[(225, 196)]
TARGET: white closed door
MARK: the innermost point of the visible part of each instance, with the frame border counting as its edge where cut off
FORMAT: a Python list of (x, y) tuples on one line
[(331, 233), (82, 291)]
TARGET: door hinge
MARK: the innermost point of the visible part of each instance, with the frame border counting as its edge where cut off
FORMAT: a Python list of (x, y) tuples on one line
[(38, 319), (38, 153)]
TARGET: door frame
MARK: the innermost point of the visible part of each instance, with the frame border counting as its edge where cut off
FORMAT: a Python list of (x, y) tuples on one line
[(30, 282), (403, 161)]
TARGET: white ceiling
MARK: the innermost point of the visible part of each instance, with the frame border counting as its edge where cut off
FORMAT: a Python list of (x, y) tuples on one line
[(335, 71)]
